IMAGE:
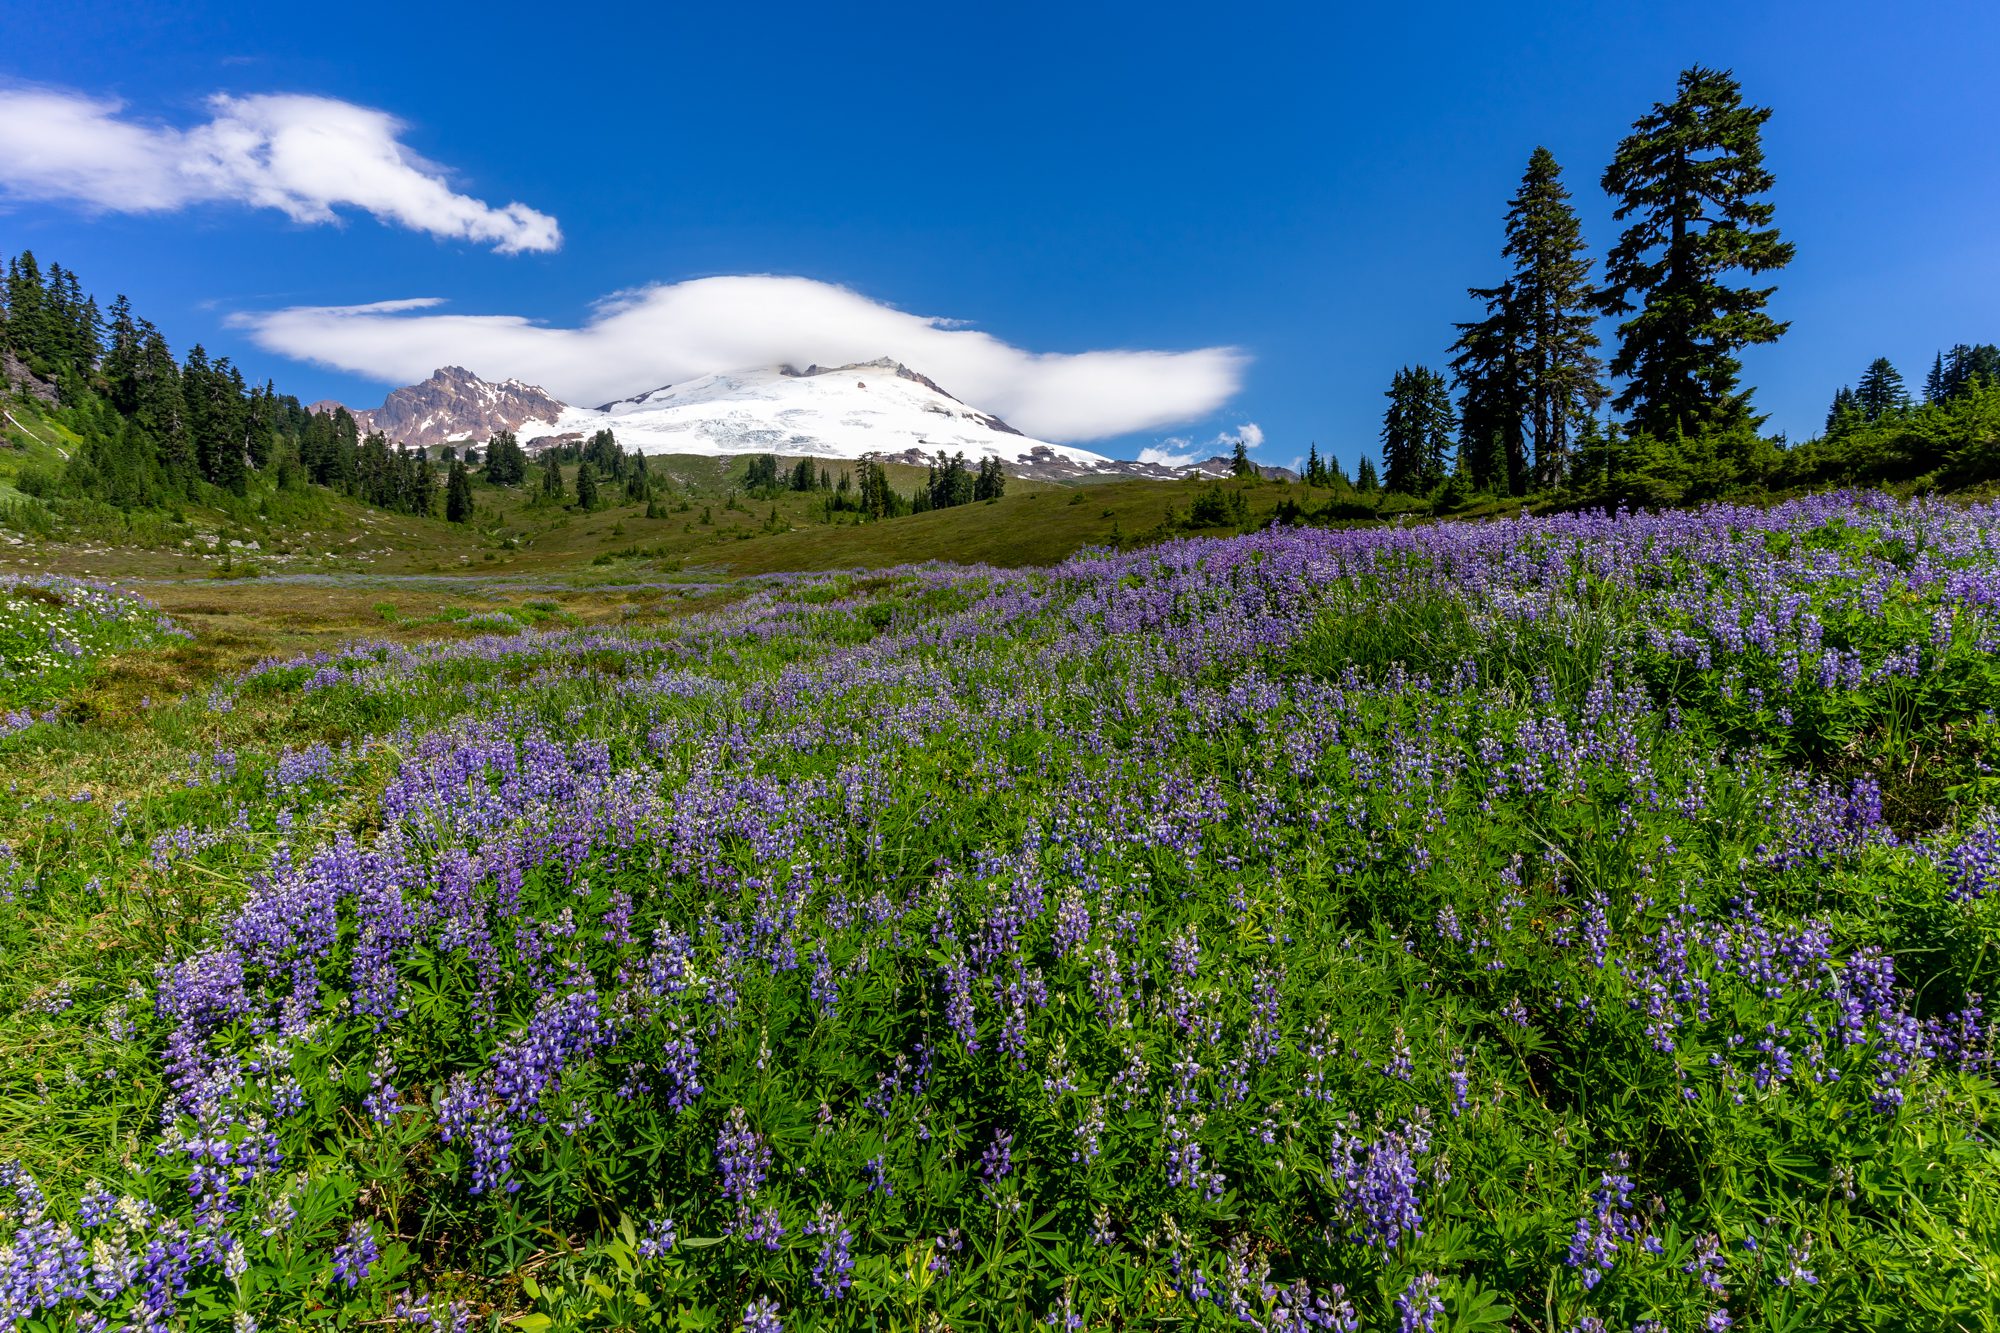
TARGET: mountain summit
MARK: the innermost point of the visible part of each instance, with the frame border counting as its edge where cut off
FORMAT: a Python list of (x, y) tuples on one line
[(455, 404)]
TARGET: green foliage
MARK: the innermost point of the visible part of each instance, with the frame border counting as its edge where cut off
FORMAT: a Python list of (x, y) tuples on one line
[(1690, 180), (1528, 369), (1417, 431)]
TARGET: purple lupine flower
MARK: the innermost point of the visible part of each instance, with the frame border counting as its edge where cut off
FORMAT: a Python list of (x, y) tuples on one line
[(1379, 1180), (1419, 1306), (761, 1316), (1609, 1224), (998, 1160), (742, 1158), (354, 1257), (833, 1269), (765, 1229), (660, 1238)]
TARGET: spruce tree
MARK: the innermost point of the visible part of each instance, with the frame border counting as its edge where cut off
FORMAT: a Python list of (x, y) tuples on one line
[(1416, 431), (1689, 178), (1554, 308), (1965, 367), (1239, 460), (1492, 409), (1934, 382), (1365, 479), (121, 358), (552, 478), (1880, 392), (458, 494), (586, 487)]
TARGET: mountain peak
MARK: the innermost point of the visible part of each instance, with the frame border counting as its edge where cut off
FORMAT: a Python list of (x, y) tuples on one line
[(455, 404)]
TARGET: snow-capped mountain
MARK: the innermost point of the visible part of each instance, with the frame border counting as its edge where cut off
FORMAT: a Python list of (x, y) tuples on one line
[(455, 404), (877, 407), (882, 408)]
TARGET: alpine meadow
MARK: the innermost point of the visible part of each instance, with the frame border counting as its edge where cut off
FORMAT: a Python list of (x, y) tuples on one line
[(781, 846)]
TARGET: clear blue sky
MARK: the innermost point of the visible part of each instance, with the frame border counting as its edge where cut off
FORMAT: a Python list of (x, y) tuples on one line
[(1312, 187)]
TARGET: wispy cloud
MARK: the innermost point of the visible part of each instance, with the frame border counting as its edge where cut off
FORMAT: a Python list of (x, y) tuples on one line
[(1180, 450), (642, 339), (306, 157)]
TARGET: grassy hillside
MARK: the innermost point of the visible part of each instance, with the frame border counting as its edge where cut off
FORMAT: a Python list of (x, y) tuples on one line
[(706, 524)]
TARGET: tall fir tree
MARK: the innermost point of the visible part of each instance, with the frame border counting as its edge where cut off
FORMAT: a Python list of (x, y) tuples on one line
[(1689, 178), (1555, 310), (1880, 392), (1493, 401), (458, 494), (1416, 431)]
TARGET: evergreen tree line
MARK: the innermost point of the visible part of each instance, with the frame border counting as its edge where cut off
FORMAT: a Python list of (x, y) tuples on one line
[(604, 470), (951, 483), (155, 432), (1528, 407)]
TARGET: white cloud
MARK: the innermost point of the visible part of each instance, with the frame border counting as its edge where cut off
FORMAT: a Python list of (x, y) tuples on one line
[(304, 156), (1180, 450), (1171, 452), (1249, 432), (663, 334)]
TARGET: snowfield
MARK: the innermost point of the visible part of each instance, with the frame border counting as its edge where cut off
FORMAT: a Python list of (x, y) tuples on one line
[(848, 412)]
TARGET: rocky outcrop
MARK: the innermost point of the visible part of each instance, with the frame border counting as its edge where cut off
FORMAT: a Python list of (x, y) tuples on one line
[(15, 377)]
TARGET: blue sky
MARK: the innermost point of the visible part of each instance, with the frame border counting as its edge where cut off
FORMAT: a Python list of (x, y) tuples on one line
[(1312, 188)]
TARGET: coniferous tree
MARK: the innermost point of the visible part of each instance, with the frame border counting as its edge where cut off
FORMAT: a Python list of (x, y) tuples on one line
[(506, 461), (552, 478), (1844, 414), (1492, 407), (1313, 476), (161, 410), (1365, 479), (1689, 178), (121, 358), (1416, 431), (1239, 459), (423, 486), (1880, 391), (1966, 367), (586, 487), (1547, 313), (761, 478), (992, 481), (458, 494)]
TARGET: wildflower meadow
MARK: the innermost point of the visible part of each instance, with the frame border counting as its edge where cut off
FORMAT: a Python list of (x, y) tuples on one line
[(1565, 923)]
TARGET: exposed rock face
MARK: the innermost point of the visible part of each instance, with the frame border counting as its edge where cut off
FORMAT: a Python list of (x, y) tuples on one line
[(455, 404), (16, 377)]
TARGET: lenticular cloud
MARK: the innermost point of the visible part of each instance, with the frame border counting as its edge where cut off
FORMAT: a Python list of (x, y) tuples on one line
[(307, 157), (667, 333)]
